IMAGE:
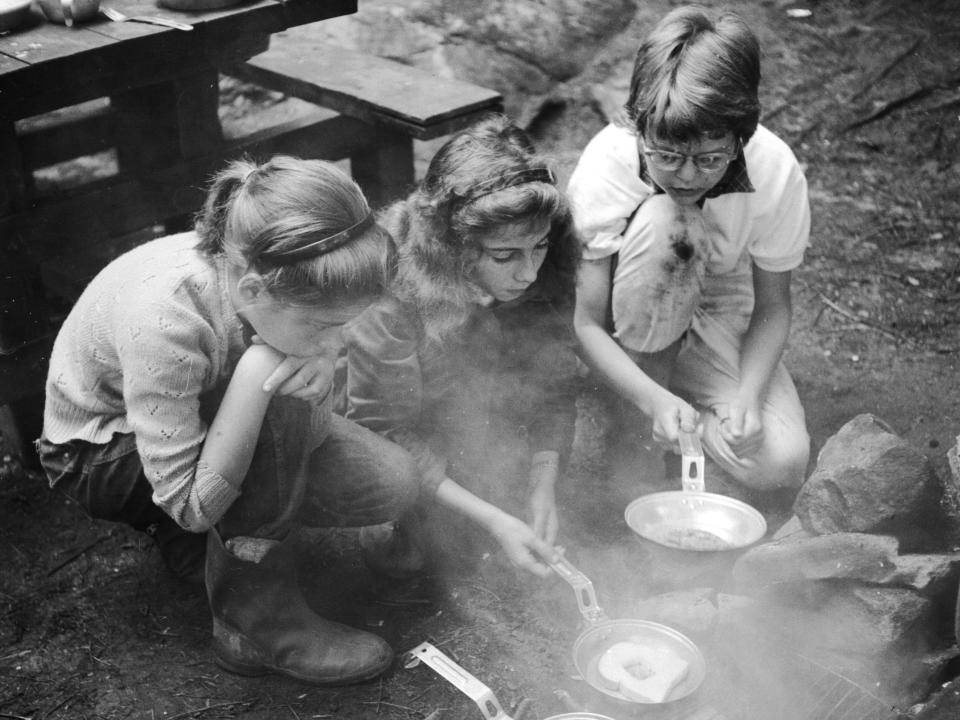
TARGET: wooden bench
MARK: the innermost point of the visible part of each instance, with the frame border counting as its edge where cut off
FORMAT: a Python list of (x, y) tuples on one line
[(397, 103), (368, 110)]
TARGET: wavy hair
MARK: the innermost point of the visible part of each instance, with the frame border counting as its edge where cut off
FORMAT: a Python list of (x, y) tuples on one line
[(466, 194), (254, 211), (696, 73)]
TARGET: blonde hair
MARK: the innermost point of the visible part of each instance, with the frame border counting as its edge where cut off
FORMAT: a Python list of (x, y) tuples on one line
[(255, 212)]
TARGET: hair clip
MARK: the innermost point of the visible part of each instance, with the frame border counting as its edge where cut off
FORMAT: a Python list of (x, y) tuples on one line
[(316, 248), (508, 180)]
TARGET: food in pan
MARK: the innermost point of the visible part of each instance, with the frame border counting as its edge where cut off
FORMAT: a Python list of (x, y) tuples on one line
[(640, 672), (686, 538)]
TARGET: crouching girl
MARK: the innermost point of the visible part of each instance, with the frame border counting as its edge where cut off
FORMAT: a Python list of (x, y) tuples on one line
[(469, 362), (189, 396)]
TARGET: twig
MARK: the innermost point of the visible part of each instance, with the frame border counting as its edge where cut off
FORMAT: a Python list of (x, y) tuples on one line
[(13, 717), (861, 321), (944, 105), (435, 715), (65, 701), (892, 105), (889, 67), (523, 710), (387, 704), (77, 554), (888, 108), (207, 708)]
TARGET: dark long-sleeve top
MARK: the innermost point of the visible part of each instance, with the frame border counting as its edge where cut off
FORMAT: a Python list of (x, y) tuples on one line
[(515, 359)]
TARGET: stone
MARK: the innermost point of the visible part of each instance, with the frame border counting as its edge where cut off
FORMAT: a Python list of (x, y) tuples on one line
[(932, 575), (868, 479), (853, 619), (852, 556)]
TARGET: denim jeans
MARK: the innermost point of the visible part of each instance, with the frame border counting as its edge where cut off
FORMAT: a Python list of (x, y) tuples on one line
[(331, 473)]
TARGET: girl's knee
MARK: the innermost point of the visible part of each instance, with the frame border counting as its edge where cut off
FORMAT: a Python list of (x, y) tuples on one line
[(783, 464), (403, 483)]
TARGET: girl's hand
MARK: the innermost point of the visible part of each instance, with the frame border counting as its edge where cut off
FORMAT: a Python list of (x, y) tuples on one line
[(521, 544), (741, 427), (671, 414), (306, 378)]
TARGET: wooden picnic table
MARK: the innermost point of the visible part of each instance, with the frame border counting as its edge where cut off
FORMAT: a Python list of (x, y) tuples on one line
[(147, 93)]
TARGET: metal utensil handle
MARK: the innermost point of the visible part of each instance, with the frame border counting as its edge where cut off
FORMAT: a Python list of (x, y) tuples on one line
[(458, 677), (582, 587), (156, 20), (67, 7), (692, 453)]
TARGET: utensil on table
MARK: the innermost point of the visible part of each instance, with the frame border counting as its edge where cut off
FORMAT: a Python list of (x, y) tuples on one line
[(470, 686), (69, 12), (118, 16), (602, 633), (692, 519)]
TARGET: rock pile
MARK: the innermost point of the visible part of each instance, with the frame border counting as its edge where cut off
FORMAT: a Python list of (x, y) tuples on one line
[(860, 585)]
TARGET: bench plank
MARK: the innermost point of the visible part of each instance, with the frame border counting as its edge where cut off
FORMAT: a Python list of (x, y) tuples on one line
[(370, 88)]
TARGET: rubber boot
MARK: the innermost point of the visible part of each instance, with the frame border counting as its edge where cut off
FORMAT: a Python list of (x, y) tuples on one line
[(183, 552), (262, 624), (393, 549)]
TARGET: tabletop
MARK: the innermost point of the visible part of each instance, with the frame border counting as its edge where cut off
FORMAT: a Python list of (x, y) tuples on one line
[(44, 66)]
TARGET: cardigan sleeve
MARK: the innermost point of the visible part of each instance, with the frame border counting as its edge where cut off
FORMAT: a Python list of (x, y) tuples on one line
[(165, 368), (385, 383)]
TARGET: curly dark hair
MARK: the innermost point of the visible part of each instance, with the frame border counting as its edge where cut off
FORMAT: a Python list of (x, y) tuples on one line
[(477, 182)]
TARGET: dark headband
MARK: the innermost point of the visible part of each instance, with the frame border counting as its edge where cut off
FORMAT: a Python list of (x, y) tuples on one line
[(316, 248), (508, 180)]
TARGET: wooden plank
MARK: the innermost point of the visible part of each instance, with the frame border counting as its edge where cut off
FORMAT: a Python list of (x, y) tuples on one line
[(370, 88), (47, 140), (116, 206)]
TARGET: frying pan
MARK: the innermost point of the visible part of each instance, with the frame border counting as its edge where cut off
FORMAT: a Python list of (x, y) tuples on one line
[(601, 633), (692, 519), (466, 683)]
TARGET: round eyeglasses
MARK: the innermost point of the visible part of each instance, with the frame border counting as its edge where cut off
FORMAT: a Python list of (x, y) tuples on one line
[(707, 162)]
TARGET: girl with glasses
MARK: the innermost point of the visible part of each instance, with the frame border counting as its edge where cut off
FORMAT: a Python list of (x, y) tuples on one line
[(692, 217)]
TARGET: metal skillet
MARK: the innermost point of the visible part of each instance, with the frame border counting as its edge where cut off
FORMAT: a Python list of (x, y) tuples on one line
[(602, 633), (470, 686), (691, 518)]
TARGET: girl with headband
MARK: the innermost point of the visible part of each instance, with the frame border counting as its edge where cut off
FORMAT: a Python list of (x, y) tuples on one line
[(189, 396), (469, 362)]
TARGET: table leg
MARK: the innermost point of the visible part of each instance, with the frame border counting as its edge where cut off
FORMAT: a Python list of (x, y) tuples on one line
[(15, 179), (385, 169), (160, 124)]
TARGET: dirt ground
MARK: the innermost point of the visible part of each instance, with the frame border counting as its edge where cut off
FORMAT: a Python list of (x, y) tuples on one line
[(868, 94)]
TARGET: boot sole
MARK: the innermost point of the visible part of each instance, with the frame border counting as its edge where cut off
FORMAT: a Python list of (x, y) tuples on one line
[(259, 669)]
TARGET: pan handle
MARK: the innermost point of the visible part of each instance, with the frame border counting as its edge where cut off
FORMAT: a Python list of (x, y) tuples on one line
[(692, 453), (458, 677), (582, 587)]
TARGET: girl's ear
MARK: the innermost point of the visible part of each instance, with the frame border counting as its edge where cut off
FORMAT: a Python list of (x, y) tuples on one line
[(251, 288)]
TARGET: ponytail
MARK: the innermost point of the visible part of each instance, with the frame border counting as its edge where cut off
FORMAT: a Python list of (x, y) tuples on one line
[(212, 218)]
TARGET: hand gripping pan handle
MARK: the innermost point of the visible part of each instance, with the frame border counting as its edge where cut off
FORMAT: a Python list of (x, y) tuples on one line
[(692, 458), (458, 677)]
